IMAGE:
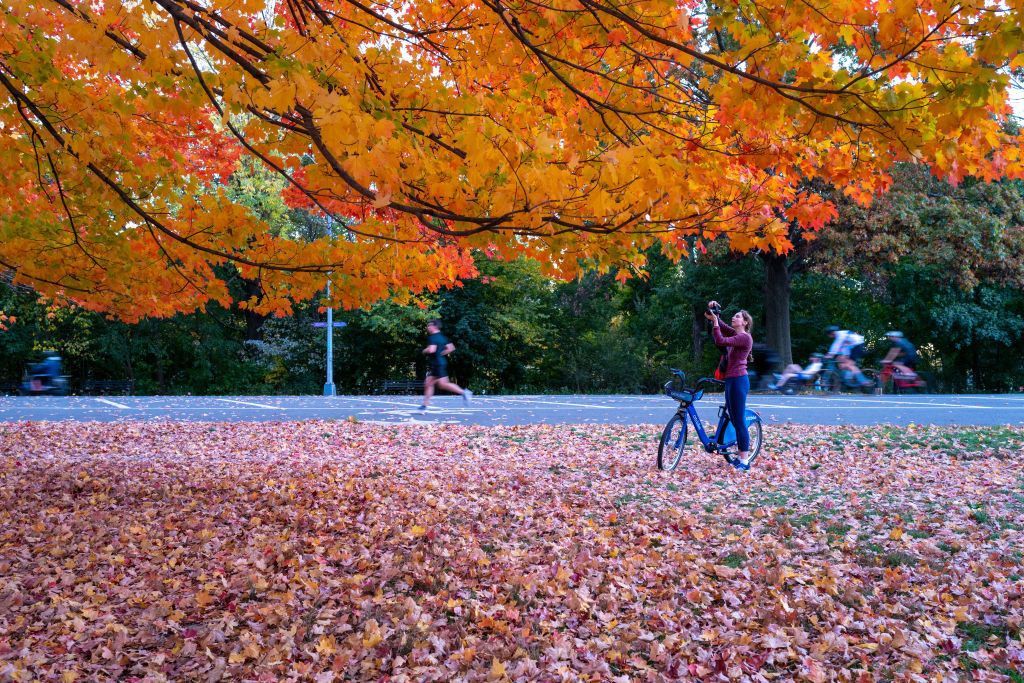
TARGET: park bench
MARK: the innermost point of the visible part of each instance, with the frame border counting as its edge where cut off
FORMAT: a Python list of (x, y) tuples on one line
[(401, 386), (108, 387)]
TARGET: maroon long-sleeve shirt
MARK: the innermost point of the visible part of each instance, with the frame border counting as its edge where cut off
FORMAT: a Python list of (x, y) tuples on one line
[(738, 345)]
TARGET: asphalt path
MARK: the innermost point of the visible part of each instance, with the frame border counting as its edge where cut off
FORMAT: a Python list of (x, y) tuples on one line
[(963, 409)]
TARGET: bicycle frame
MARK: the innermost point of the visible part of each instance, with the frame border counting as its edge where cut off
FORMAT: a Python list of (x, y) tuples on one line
[(888, 373), (711, 446)]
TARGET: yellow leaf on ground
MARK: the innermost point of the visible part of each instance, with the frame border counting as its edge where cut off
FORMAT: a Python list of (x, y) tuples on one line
[(497, 669)]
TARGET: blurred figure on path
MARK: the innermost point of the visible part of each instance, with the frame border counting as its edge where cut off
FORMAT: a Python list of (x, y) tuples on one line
[(438, 347)]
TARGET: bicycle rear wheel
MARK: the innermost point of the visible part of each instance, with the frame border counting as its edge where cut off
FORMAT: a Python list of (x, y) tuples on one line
[(756, 434), (673, 441), (754, 431)]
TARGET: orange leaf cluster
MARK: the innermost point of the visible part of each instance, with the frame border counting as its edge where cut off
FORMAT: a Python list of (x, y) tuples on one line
[(579, 133)]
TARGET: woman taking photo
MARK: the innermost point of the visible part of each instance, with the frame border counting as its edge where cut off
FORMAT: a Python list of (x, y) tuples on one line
[(738, 342)]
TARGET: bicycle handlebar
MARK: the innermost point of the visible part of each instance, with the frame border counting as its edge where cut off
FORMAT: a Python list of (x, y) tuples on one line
[(700, 382)]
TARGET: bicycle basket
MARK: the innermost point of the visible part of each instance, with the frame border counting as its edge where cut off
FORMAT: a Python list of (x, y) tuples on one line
[(674, 390)]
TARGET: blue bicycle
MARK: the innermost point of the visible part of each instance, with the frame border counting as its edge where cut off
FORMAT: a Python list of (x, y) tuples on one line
[(673, 439)]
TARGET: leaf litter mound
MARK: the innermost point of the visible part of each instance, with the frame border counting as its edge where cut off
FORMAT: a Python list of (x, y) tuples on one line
[(330, 551)]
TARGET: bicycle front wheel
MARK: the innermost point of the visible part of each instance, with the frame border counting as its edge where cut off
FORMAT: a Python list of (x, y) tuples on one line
[(673, 441)]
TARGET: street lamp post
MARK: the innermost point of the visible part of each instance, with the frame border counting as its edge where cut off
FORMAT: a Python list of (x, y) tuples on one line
[(329, 389)]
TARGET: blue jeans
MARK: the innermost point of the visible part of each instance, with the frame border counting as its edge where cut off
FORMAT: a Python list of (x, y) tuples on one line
[(736, 390)]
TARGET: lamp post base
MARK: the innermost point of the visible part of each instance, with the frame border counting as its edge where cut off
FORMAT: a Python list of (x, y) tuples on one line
[(329, 390)]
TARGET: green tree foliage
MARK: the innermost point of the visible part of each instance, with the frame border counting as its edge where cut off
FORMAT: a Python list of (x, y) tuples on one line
[(945, 265)]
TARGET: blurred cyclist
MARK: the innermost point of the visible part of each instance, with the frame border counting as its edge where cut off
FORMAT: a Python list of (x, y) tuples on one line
[(847, 348), (902, 353)]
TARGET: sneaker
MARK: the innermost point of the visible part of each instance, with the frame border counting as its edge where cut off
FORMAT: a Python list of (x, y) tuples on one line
[(422, 409), (467, 396), (740, 465), (773, 386)]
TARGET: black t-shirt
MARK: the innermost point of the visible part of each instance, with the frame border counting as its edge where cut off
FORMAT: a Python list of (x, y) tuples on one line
[(440, 341)]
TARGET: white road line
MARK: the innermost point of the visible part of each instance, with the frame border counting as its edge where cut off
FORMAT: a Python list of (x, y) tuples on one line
[(247, 403), (554, 403), (777, 405), (900, 404), (113, 403), (371, 400), (843, 403)]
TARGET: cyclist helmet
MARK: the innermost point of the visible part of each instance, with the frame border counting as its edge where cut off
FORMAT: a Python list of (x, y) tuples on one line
[(831, 329), (894, 334)]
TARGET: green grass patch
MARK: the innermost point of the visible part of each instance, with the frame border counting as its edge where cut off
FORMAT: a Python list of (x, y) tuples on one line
[(900, 559), (976, 635), (981, 517), (967, 442), (631, 497), (839, 529), (1014, 675), (734, 560)]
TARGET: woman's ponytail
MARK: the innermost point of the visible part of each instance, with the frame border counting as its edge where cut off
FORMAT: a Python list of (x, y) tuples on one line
[(747, 318)]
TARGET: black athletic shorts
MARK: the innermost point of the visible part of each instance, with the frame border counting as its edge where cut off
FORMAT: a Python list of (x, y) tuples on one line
[(438, 371)]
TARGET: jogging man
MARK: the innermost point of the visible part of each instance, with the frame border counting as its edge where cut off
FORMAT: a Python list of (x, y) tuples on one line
[(438, 347)]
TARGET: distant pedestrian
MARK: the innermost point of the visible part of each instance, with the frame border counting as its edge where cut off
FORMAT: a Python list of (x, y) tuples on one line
[(437, 350)]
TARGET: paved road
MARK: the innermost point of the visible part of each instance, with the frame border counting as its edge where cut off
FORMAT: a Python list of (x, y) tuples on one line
[(488, 410)]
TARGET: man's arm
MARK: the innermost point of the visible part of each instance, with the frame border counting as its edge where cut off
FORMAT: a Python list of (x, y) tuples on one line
[(430, 349), (448, 349)]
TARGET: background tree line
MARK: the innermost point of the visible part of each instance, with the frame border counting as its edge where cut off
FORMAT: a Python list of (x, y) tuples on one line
[(944, 264)]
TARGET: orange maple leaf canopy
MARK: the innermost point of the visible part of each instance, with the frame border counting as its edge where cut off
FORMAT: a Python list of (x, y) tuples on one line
[(579, 132)]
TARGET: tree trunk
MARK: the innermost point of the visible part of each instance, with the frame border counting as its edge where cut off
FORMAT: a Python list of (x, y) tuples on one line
[(253, 321), (776, 305), (698, 331)]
